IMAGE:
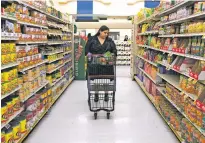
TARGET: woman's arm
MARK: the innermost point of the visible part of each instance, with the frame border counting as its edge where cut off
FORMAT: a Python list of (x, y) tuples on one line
[(113, 46)]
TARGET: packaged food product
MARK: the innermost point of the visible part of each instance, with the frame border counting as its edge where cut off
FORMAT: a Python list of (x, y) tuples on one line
[(9, 103), (22, 121), (4, 60), (9, 135), (4, 49), (16, 103), (3, 139), (4, 112), (13, 57), (16, 130)]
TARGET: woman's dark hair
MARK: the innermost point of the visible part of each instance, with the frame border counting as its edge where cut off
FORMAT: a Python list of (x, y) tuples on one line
[(102, 28), (89, 35)]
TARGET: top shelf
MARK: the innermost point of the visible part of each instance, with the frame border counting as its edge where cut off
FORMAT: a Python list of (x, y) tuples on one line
[(171, 10), (44, 12), (174, 8)]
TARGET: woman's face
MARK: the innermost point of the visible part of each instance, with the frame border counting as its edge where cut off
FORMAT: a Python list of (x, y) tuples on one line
[(104, 34)]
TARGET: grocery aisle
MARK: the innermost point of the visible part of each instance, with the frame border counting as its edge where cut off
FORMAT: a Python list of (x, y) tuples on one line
[(134, 120)]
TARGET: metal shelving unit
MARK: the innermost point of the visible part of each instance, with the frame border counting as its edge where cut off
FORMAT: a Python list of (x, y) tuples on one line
[(168, 78)]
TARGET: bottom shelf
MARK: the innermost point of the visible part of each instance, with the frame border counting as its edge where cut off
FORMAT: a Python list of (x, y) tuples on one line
[(150, 97), (43, 114)]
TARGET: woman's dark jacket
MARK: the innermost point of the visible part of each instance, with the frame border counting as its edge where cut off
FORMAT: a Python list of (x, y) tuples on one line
[(94, 46)]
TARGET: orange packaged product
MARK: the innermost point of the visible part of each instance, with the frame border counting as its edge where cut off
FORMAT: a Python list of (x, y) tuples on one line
[(202, 139)]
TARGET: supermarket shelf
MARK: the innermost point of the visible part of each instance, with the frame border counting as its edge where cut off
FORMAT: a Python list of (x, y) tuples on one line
[(32, 42), (182, 35), (62, 90), (43, 114), (67, 61), (161, 89), (181, 72), (154, 64), (174, 80), (57, 68), (55, 60), (199, 15), (44, 12), (56, 18), (175, 53), (6, 95), (57, 81), (174, 8), (12, 117), (30, 24), (52, 53), (55, 34), (148, 75), (150, 97), (9, 38), (68, 69), (67, 52), (149, 32), (55, 43), (33, 93), (25, 69), (152, 17), (8, 17), (9, 66)]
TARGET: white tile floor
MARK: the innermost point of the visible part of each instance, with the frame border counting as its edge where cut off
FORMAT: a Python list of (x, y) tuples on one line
[(134, 121)]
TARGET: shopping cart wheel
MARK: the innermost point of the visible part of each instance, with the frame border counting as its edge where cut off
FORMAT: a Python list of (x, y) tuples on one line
[(95, 115), (108, 115)]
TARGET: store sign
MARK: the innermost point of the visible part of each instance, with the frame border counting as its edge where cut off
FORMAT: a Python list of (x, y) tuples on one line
[(84, 7), (151, 3)]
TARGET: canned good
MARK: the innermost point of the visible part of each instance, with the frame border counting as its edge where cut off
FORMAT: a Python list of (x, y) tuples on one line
[(4, 112), (16, 130)]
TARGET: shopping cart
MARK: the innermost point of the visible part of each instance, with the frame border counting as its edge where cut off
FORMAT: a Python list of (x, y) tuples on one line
[(101, 84)]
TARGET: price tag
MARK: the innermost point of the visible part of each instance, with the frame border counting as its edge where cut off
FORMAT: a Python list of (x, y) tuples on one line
[(8, 126)]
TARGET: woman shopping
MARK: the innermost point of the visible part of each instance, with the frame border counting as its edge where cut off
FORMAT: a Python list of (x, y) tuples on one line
[(101, 53), (101, 43)]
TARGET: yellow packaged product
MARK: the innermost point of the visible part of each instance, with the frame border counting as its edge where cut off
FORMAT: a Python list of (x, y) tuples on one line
[(49, 91), (4, 113), (4, 88), (9, 135), (204, 27), (16, 130), (13, 57), (15, 73), (2, 77), (16, 103), (4, 60), (22, 121), (8, 56), (12, 48), (4, 50), (9, 107), (7, 48), (3, 140)]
